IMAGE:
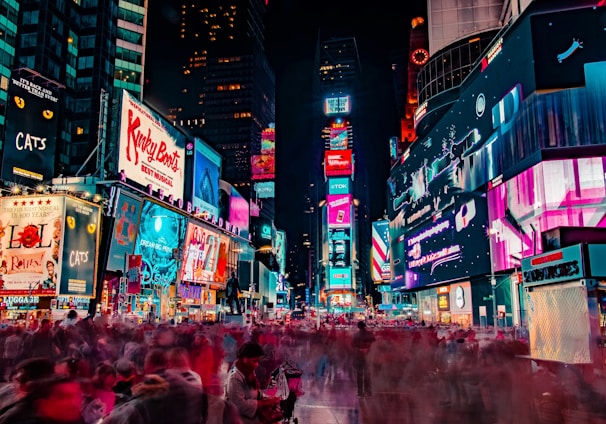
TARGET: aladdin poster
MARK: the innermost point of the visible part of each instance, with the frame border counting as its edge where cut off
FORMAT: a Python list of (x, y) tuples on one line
[(31, 229)]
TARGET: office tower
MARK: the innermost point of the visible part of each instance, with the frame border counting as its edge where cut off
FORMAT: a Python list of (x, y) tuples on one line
[(130, 47), (224, 90), (9, 14), (341, 225), (72, 45)]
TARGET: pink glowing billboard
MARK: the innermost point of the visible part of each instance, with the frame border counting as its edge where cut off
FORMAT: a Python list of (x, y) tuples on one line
[(339, 210), (551, 194), (338, 163)]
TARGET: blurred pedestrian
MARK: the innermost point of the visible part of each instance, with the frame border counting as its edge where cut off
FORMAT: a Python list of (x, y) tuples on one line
[(361, 343), (178, 361), (54, 400), (26, 371), (242, 388)]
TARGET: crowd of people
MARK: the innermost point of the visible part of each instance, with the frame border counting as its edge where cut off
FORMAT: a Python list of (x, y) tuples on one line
[(91, 371)]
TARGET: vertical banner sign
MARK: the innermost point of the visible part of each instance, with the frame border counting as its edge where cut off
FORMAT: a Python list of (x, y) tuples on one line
[(80, 242), (31, 130), (380, 249), (128, 209), (133, 274), (30, 236)]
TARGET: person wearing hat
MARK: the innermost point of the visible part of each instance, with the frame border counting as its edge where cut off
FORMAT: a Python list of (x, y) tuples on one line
[(242, 387)]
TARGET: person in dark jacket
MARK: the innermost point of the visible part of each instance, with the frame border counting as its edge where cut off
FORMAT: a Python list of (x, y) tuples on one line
[(361, 344), (54, 400)]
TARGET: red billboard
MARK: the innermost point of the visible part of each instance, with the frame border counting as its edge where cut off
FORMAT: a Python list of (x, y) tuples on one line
[(338, 163)]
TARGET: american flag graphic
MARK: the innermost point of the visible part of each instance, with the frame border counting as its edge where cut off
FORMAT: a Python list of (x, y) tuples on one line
[(380, 248)]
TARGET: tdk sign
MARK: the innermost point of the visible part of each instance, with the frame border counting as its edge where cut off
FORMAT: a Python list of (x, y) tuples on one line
[(338, 186)]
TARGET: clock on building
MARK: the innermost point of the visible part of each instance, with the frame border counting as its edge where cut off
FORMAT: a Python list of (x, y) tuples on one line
[(419, 57)]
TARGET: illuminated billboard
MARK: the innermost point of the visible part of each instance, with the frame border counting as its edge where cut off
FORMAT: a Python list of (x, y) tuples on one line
[(234, 208), (31, 231), (557, 193), (338, 163), (338, 138), (265, 190), (80, 244), (452, 247), (151, 151), (338, 185), (340, 105), (200, 254), (161, 233), (339, 247), (339, 210), (380, 270), (281, 250), (339, 278), (207, 170), (31, 129), (263, 161), (124, 234)]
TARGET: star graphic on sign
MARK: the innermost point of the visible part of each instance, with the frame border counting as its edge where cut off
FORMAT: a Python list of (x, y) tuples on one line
[(48, 202)]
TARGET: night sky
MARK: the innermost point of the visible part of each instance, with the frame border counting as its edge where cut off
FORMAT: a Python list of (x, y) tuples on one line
[(292, 33)]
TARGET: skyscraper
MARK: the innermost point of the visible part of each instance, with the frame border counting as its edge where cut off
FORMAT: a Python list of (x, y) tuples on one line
[(221, 87), (341, 226)]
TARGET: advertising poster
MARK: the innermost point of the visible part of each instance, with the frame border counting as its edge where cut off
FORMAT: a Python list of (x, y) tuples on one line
[(338, 163), (339, 247), (338, 138), (133, 274), (339, 210), (151, 151), (221, 269), (380, 251), (281, 250), (31, 229), (339, 278), (234, 208), (31, 129), (263, 161), (559, 193), (200, 254), (80, 245), (338, 185), (161, 231), (128, 208), (206, 179)]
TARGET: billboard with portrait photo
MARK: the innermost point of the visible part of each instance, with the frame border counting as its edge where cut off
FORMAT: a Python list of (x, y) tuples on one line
[(31, 231), (200, 254)]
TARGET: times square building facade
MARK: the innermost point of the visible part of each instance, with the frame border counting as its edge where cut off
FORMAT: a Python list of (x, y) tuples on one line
[(513, 151)]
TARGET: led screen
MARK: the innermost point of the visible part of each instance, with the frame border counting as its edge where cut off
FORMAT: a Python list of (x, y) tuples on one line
[(454, 246), (337, 105), (338, 185), (339, 210), (559, 193), (338, 163), (200, 254), (31, 129), (207, 165), (281, 250), (338, 138), (233, 208), (265, 190), (339, 247), (161, 233), (151, 151), (339, 278), (563, 42)]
